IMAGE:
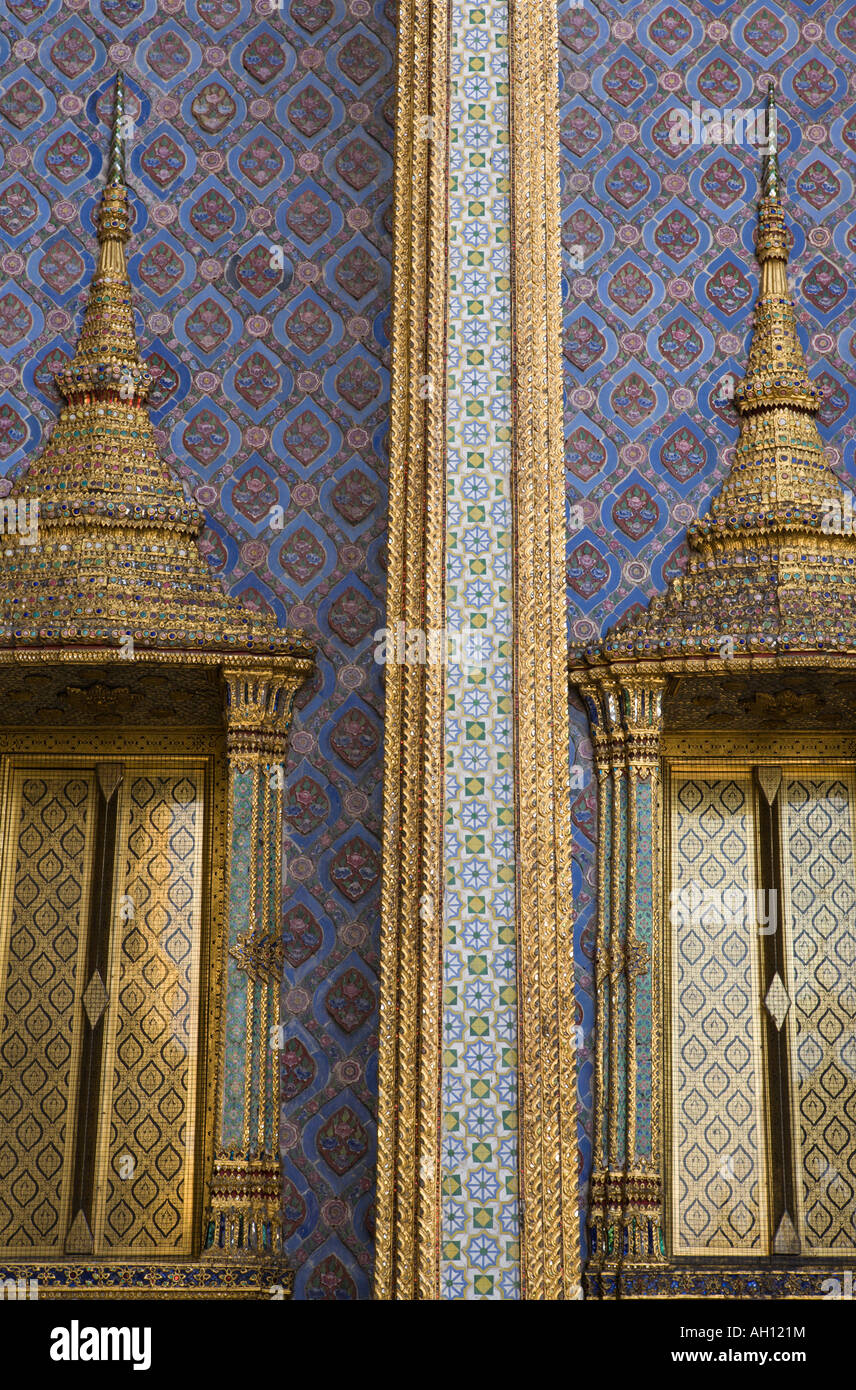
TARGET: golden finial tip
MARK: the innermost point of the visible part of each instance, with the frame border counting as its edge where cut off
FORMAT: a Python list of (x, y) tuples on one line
[(116, 167), (770, 166)]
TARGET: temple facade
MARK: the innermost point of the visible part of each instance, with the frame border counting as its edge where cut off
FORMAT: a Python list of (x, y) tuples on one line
[(427, 783)]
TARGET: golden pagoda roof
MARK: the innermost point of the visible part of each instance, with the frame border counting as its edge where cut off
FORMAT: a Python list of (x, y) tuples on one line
[(768, 566), (115, 552)]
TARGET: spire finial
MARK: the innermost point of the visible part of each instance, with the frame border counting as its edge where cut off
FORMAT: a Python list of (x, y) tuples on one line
[(776, 374), (108, 335), (116, 166), (770, 166), (116, 547), (771, 564)]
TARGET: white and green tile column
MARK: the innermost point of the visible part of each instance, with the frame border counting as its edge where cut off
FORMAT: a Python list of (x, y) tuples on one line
[(480, 1222)]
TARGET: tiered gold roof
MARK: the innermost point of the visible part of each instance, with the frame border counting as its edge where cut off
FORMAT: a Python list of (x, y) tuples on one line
[(762, 571), (117, 538)]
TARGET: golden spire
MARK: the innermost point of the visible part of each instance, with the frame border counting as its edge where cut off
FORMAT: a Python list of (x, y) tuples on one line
[(108, 349), (776, 373), (769, 569), (780, 464), (115, 552)]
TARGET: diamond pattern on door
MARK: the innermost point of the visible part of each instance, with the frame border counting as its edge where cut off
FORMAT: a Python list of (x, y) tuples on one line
[(820, 913), (42, 930), (155, 974), (717, 1158)]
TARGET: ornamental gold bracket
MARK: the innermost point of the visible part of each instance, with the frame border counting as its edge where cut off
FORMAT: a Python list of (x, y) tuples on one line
[(260, 955), (638, 958), (258, 706)]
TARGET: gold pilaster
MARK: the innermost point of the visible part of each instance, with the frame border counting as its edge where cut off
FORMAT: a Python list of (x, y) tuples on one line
[(408, 1144), (408, 1172), (548, 1061)]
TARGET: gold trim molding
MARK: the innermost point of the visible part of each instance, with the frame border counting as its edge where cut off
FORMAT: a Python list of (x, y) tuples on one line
[(187, 1280), (408, 1174), (407, 1252), (549, 1184)]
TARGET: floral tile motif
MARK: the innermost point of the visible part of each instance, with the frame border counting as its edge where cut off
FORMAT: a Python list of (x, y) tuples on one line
[(259, 163), (479, 1234)]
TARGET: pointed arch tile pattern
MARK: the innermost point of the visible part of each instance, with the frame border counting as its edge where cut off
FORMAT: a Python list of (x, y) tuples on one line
[(241, 111), (689, 224)]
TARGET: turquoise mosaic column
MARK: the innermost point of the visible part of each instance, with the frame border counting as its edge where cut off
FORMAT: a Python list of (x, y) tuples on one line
[(644, 887), (243, 1216), (234, 1061), (643, 1217), (480, 1223), (625, 1200), (255, 960)]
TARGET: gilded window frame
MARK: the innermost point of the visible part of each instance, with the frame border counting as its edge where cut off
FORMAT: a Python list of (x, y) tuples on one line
[(66, 747), (718, 752)]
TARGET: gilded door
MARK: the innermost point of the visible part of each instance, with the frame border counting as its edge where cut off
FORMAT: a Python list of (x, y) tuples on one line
[(762, 1005), (101, 924)]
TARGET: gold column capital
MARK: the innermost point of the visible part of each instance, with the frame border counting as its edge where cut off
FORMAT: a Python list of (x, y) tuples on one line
[(258, 700)]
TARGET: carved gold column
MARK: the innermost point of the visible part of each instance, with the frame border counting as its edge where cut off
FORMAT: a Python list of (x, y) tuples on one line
[(594, 698), (408, 1169), (243, 1218), (549, 1183), (626, 1188), (642, 1240), (610, 1059)]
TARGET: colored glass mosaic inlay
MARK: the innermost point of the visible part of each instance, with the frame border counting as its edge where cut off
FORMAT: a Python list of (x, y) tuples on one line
[(479, 1243)]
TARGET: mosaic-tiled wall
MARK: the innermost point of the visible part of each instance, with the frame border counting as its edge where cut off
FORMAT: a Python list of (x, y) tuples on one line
[(480, 1222), (260, 167), (659, 281)]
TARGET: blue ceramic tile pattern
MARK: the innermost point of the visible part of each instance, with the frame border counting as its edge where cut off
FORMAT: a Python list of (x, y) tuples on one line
[(260, 164), (659, 278)]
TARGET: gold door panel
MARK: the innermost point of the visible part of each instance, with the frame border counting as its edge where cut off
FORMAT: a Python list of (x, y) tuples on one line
[(45, 901), (718, 1166), (820, 914), (147, 1076), (779, 1134), (150, 1087)]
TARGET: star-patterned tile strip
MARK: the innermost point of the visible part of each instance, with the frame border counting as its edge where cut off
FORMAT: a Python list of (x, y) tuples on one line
[(479, 1236)]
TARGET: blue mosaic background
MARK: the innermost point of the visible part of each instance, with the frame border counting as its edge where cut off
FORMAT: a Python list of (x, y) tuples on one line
[(659, 281), (254, 127), (257, 128)]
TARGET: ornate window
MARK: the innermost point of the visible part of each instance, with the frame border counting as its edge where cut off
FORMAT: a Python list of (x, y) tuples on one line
[(761, 975), (725, 1069), (103, 954), (143, 725)]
